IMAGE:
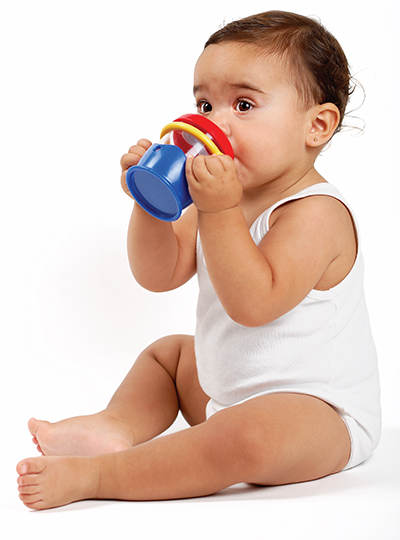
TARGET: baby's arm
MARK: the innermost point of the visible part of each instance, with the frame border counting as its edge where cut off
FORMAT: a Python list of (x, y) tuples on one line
[(258, 284), (161, 254)]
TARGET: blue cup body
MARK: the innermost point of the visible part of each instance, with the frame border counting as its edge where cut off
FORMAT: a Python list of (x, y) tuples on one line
[(158, 182)]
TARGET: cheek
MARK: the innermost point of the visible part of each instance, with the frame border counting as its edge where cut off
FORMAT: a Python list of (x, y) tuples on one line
[(262, 162), (255, 153), (249, 154), (260, 148)]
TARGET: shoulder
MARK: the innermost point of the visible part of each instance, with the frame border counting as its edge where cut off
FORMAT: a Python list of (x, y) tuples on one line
[(313, 212), (319, 222), (322, 224)]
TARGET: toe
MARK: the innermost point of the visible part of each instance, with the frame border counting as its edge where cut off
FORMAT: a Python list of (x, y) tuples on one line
[(31, 500), (34, 425), (31, 466), (37, 444), (28, 490), (28, 480)]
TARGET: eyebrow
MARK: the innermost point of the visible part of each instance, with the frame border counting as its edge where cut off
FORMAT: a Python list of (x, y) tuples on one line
[(240, 86)]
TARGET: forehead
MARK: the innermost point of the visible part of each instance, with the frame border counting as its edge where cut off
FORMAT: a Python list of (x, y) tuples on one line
[(237, 63)]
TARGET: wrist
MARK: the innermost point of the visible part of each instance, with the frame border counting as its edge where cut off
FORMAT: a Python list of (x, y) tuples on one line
[(222, 222), (220, 212)]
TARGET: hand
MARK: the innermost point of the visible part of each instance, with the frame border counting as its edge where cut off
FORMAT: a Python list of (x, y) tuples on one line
[(133, 157), (213, 183)]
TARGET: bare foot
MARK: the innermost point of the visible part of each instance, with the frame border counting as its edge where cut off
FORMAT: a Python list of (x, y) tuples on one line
[(47, 482), (81, 436)]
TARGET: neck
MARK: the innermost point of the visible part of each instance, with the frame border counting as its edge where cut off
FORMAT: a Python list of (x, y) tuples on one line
[(257, 200)]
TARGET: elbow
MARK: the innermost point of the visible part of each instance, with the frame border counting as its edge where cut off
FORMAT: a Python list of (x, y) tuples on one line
[(146, 282), (251, 318), (156, 284), (255, 309), (255, 312), (153, 286)]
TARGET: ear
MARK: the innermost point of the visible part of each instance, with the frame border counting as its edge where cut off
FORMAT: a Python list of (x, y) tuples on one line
[(324, 120)]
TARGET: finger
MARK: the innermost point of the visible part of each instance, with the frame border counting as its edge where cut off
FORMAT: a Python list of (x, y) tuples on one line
[(142, 143), (129, 160), (214, 165), (190, 176), (199, 167), (221, 162), (135, 154)]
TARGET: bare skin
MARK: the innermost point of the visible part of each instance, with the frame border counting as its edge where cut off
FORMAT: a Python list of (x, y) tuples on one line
[(269, 440), (244, 443), (83, 439)]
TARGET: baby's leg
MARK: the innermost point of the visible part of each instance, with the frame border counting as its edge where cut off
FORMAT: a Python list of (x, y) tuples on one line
[(276, 439), (162, 380)]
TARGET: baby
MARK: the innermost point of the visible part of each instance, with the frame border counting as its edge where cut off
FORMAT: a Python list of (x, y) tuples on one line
[(280, 383)]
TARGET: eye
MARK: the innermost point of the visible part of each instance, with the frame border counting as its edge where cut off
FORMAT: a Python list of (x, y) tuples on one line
[(203, 107), (243, 105)]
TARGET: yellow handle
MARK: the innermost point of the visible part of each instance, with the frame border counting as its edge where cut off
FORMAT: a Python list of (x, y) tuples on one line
[(181, 126)]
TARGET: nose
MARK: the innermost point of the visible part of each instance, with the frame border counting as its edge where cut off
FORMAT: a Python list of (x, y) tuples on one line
[(223, 126), (222, 122)]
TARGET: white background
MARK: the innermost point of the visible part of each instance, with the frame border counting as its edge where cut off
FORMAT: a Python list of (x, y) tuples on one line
[(81, 81)]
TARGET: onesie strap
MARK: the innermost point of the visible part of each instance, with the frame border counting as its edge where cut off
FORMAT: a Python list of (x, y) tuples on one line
[(260, 226)]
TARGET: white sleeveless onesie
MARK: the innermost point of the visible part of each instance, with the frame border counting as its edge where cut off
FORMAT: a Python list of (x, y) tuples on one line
[(323, 347)]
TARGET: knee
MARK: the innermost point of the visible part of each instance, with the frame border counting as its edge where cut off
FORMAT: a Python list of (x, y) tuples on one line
[(240, 445), (167, 352)]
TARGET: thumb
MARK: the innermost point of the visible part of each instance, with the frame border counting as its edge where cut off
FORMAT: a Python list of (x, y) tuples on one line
[(189, 168)]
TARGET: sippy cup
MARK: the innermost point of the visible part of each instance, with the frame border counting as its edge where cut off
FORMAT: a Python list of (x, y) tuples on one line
[(158, 182)]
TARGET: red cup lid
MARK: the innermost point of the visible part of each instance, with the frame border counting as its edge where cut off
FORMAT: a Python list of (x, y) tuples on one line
[(215, 133)]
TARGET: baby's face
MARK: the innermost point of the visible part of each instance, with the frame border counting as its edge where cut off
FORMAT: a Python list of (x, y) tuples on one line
[(251, 98)]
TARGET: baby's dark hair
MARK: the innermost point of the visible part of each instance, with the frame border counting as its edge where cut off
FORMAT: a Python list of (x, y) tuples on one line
[(317, 63)]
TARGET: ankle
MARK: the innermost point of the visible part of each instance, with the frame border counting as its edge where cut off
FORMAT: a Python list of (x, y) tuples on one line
[(102, 485), (87, 473), (117, 419)]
